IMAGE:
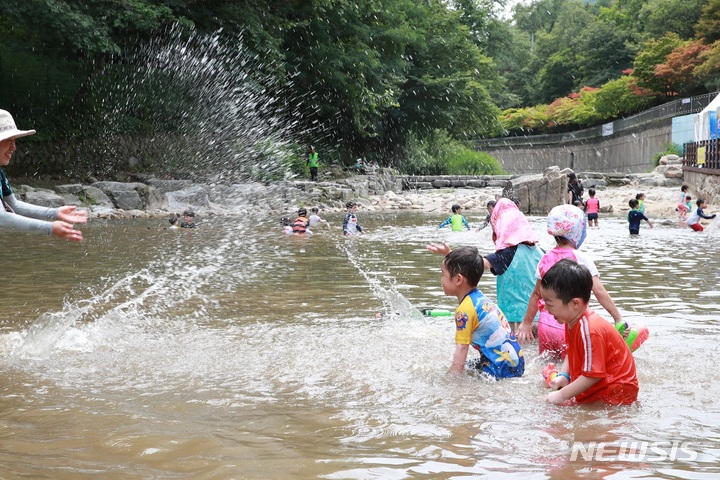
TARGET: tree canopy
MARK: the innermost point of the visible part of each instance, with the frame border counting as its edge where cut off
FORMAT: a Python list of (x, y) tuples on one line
[(366, 78)]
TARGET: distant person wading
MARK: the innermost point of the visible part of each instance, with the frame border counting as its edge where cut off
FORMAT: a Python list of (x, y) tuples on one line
[(313, 163)]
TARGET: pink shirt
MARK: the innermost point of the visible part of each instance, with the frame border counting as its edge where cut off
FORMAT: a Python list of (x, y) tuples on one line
[(593, 205)]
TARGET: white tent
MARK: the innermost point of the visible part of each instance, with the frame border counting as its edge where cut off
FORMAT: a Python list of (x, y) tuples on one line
[(706, 122)]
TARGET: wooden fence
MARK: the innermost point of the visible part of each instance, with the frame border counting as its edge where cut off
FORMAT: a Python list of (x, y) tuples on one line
[(709, 161)]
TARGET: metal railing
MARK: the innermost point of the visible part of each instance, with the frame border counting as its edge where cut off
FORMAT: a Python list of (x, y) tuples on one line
[(684, 106)]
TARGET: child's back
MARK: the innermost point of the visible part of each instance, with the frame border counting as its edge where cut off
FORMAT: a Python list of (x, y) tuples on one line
[(592, 205)]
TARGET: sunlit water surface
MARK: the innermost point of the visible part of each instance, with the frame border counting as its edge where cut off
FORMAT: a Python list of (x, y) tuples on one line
[(234, 351)]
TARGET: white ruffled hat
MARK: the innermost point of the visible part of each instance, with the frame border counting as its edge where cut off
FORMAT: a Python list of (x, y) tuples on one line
[(8, 128)]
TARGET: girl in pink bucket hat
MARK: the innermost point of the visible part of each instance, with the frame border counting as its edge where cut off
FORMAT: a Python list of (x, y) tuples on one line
[(24, 217), (567, 223)]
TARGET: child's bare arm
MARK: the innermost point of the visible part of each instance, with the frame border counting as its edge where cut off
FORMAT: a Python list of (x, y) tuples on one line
[(577, 386), (524, 333), (458, 365), (604, 298)]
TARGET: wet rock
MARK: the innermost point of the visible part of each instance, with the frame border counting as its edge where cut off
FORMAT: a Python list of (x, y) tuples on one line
[(165, 186), (670, 160), (195, 197), (617, 179), (539, 193), (126, 199), (72, 189), (44, 198), (96, 197)]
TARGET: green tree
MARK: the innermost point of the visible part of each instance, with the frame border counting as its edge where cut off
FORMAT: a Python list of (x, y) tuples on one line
[(586, 114), (602, 53), (678, 16), (654, 52), (620, 97), (556, 77), (708, 71), (708, 25)]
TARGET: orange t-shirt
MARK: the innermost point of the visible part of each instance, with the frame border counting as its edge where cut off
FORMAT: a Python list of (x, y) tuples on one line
[(595, 349)]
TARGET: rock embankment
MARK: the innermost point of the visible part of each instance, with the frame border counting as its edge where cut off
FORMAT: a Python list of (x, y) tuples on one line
[(382, 191)]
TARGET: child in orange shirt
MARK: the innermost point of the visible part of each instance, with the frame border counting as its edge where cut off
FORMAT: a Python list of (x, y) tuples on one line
[(599, 366)]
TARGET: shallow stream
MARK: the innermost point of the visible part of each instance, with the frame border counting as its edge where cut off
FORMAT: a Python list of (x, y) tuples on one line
[(234, 351)]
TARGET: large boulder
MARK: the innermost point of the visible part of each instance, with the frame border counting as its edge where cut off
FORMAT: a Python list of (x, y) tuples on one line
[(165, 186), (670, 160), (538, 193), (45, 198), (133, 195), (193, 197), (96, 198)]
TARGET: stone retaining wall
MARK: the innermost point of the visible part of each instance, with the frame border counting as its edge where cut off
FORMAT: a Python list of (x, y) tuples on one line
[(630, 151), (704, 185)]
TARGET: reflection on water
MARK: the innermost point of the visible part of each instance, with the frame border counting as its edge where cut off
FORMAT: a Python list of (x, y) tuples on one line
[(233, 351)]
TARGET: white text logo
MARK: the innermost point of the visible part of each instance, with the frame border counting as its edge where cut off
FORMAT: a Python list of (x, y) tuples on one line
[(632, 451)]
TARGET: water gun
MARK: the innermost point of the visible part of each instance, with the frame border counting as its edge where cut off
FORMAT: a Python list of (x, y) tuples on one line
[(636, 335), (549, 373), (429, 312)]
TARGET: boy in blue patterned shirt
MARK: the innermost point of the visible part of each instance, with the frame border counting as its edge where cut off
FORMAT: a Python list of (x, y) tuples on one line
[(478, 321)]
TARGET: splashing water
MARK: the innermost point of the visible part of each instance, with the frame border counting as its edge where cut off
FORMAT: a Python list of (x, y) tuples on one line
[(205, 105), (383, 287)]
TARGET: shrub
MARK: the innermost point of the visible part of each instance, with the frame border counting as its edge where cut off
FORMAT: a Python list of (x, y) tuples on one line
[(439, 154), (670, 149)]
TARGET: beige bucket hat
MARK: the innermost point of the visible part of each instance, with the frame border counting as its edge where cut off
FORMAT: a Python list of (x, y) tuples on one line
[(8, 128)]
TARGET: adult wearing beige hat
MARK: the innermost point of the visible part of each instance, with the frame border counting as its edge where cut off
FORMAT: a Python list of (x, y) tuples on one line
[(25, 217)]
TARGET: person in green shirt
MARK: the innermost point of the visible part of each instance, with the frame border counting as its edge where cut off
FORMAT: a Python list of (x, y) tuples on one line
[(456, 220), (312, 162)]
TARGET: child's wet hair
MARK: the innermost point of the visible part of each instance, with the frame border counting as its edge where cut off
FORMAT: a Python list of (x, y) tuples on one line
[(568, 280), (467, 262), (633, 203), (456, 208)]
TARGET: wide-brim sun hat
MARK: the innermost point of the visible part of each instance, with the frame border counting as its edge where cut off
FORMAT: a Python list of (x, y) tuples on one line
[(568, 222), (8, 128)]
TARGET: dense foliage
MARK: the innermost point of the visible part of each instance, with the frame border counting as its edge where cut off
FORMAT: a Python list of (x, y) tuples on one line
[(589, 63), (391, 81)]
